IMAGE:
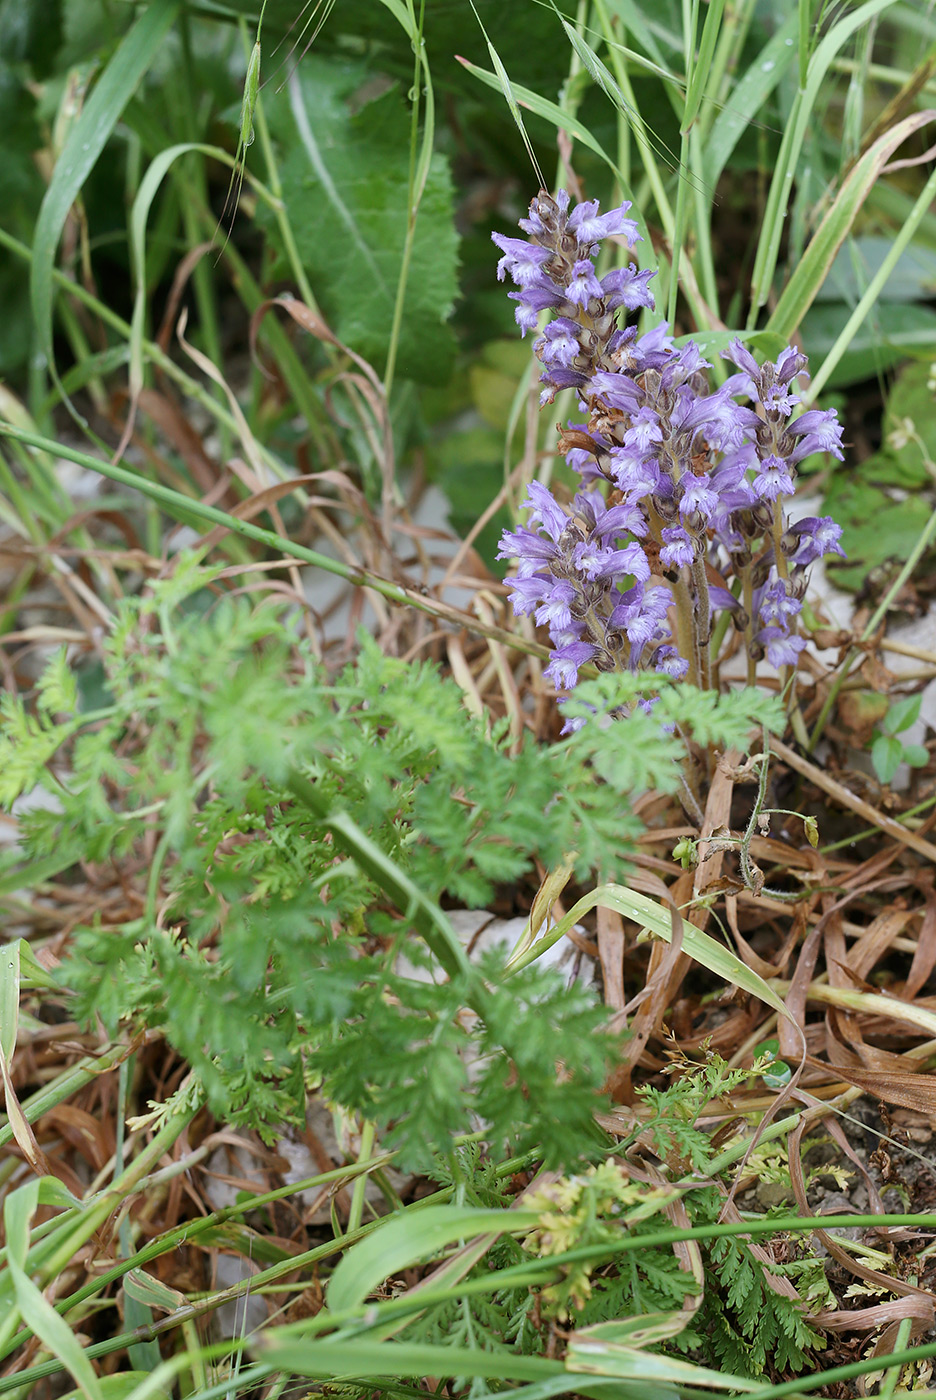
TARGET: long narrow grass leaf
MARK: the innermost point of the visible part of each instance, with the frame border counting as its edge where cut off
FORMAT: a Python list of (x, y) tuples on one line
[(785, 171), (85, 142), (703, 62), (748, 97), (409, 1238), (651, 915), (563, 121), (813, 268), (358, 1357)]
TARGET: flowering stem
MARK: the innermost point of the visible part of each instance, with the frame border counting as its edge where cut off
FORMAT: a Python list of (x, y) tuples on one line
[(747, 595), (703, 622), (783, 568), (686, 637)]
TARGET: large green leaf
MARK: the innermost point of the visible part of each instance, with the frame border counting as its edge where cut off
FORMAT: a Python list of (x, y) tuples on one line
[(856, 262), (876, 529), (893, 330), (346, 189)]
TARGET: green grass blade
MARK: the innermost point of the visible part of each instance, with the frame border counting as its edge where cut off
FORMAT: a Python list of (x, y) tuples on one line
[(352, 1358), (508, 91), (703, 63), (813, 267), (594, 1351), (747, 98), (139, 218), (768, 248), (653, 916), (9, 999), (85, 143), (873, 291), (410, 1238), (39, 1315), (542, 107)]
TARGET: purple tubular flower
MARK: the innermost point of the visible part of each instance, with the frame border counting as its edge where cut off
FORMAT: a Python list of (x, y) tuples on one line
[(640, 614), (697, 496), (597, 561), (625, 286), (564, 664), (621, 520), (773, 479), (791, 363), (583, 284), (743, 358), (545, 510), (524, 261), (644, 431), (554, 611), (591, 227), (782, 649), (529, 592), (819, 431), (531, 550), (560, 344), (635, 475), (668, 660), (818, 535), (774, 605), (678, 551)]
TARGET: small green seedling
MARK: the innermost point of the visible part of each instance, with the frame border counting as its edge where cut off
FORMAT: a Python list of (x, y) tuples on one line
[(887, 751), (777, 1072)]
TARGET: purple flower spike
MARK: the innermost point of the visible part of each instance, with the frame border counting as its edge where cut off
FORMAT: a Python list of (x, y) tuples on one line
[(676, 476)]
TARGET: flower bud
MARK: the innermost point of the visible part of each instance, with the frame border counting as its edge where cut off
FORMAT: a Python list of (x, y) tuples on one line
[(762, 570), (763, 515)]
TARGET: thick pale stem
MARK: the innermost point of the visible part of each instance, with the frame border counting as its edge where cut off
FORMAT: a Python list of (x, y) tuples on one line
[(703, 622), (747, 596), (686, 636)]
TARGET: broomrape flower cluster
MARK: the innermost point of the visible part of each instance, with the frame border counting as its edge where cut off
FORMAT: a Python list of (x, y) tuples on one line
[(681, 511)]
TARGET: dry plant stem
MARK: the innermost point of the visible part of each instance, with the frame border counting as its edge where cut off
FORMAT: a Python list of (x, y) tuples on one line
[(839, 793), (361, 578)]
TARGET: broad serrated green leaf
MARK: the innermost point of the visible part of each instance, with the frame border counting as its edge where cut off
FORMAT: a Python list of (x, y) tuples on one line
[(345, 181)]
